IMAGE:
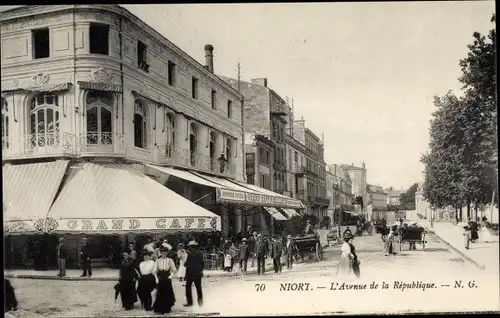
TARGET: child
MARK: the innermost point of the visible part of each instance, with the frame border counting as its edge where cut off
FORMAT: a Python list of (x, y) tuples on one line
[(467, 236)]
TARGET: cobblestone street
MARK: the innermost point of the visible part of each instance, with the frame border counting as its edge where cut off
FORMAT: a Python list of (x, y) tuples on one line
[(230, 296)]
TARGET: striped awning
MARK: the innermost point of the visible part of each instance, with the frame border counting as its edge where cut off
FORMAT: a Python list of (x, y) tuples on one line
[(28, 192), (275, 213), (290, 212), (106, 87)]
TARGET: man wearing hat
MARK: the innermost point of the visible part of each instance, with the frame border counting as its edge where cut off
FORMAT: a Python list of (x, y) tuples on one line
[(194, 272), (61, 257), (289, 251), (261, 250), (85, 257), (243, 255)]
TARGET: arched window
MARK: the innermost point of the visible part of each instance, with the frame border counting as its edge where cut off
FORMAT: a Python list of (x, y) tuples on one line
[(99, 118), (193, 143), (5, 124), (44, 120), (140, 125), (213, 146), (171, 134)]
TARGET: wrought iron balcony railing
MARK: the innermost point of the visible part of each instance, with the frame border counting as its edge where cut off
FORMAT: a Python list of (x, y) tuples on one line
[(170, 155), (101, 143)]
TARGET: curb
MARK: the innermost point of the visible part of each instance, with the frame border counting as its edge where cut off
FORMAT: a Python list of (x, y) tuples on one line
[(478, 265), (112, 279)]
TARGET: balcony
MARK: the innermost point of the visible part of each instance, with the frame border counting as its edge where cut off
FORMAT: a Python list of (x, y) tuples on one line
[(40, 145), (301, 171), (93, 143), (250, 169), (279, 166), (318, 201), (172, 156)]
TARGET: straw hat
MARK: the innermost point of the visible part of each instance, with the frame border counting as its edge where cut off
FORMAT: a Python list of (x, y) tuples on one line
[(192, 243)]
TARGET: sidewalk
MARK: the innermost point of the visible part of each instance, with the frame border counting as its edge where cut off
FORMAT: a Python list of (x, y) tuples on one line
[(485, 255), (109, 274)]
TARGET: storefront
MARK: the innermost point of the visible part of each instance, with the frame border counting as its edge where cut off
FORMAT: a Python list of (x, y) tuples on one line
[(110, 203)]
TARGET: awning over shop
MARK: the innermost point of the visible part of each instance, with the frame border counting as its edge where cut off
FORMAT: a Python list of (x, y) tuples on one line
[(226, 183), (28, 192), (275, 214), (289, 202), (183, 174), (290, 212), (105, 198)]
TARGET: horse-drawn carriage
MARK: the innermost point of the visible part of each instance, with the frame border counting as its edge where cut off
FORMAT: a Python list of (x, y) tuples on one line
[(309, 245), (412, 235)]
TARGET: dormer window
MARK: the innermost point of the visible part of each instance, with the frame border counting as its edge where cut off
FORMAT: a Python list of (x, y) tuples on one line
[(142, 56)]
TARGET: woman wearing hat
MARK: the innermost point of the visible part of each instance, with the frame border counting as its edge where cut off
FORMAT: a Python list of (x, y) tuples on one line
[(126, 282), (147, 281), (164, 270), (388, 244), (349, 263)]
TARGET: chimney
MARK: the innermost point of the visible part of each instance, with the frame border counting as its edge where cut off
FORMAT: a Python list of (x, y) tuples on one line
[(209, 57), (260, 81)]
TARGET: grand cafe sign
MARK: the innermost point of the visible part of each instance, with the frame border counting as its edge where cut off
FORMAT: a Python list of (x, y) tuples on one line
[(233, 196)]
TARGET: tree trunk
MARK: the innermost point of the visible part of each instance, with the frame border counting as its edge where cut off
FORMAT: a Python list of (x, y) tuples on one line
[(468, 212), (476, 216), (461, 213)]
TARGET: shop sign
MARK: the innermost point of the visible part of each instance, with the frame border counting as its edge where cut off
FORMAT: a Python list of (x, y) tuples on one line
[(225, 195)]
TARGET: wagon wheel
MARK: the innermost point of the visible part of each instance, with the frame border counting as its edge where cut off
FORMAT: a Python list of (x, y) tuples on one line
[(423, 241)]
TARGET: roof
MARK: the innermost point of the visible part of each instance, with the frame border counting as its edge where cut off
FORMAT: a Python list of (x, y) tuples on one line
[(394, 193)]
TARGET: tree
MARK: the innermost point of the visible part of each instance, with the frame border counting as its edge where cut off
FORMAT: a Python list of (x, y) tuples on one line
[(407, 198)]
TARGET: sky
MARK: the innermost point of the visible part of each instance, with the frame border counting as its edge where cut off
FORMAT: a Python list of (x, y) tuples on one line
[(364, 74)]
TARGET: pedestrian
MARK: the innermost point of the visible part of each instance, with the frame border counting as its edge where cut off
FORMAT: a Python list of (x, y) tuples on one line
[(277, 252), (348, 264), (289, 251), (181, 256), (261, 252), (388, 244), (467, 236), (251, 248), (147, 281), (62, 253), (126, 282), (243, 255), (413, 226), (473, 231), (164, 270), (194, 272), (86, 258), (132, 252), (10, 300)]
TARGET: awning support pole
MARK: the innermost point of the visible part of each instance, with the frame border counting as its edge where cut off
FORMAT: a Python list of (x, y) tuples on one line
[(203, 197)]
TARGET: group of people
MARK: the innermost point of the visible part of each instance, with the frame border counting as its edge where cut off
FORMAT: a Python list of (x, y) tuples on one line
[(473, 229), (150, 280)]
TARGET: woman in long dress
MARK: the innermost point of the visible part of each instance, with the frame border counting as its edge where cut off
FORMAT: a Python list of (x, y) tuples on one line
[(389, 240), (345, 267), (147, 281), (164, 270), (181, 256), (126, 282), (486, 235)]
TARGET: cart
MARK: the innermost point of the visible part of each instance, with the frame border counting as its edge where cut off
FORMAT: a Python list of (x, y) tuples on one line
[(310, 245), (412, 235)]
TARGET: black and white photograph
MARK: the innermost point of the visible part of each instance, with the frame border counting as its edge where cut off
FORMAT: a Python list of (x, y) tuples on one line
[(249, 159)]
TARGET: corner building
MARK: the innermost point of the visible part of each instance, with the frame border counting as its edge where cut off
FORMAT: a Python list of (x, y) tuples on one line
[(110, 130)]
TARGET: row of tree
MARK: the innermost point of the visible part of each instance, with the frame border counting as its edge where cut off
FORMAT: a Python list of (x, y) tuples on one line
[(461, 165)]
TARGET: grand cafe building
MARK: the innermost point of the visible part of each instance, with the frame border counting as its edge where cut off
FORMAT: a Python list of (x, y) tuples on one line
[(109, 129)]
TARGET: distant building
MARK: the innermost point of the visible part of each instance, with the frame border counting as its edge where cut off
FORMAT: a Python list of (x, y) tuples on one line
[(377, 200), (341, 193), (358, 177), (422, 206), (393, 197)]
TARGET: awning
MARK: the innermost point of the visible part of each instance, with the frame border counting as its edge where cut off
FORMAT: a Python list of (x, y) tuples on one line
[(28, 192), (290, 212), (48, 87), (106, 87), (289, 202), (183, 174), (106, 198), (275, 213), (225, 183)]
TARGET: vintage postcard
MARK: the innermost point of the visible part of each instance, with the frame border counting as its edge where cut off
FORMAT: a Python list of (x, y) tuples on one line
[(245, 159)]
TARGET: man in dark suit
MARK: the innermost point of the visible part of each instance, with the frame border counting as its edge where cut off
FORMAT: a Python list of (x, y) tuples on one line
[(62, 253), (290, 250), (194, 272), (276, 254), (85, 257), (261, 250)]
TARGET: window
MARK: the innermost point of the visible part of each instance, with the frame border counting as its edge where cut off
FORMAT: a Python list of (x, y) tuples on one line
[(142, 56), (171, 73), (213, 100), (99, 38), (41, 41), (44, 120), (5, 124), (229, 109), (193, 143), (289, 159), (194, 88), (212, 150), (229, 149), (140, 125), (296, 157), (99, 117), (170, 124), (250, 179)]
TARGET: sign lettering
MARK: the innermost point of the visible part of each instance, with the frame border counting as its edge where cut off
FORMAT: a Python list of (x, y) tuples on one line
[(72, 224), (86, 225), (201, 223), (117, 224), (160, 223), (175, 224), (134, 224), (102, 225), (189, 222)]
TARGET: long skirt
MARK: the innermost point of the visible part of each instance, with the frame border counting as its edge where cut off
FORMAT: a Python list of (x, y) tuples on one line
[(388, 246), (486, 235), (344, 268), (355, 268), (165, 297), (181, 272), (147, 284), (128, 294)]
